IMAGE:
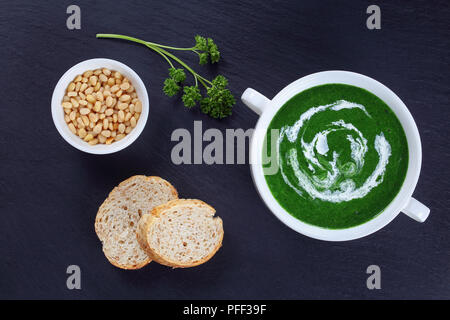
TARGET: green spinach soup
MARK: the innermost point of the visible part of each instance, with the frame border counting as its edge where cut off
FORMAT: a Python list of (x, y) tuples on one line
[(341, 153)]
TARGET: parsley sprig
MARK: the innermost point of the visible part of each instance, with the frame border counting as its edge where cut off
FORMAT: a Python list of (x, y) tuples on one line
[(218, 101)]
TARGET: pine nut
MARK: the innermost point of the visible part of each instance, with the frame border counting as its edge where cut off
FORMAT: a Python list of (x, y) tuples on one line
[(109, 112), (101, 138), (82, 133), (85, 120), (124, 98), (67, 105), (123, 86), (72, 115), (138, 106), (83, 87), (98, 128), (85, 111), (74, 102), (90, 98), (106, 133), (72, 128), (93, 80), (121, 116), (97, 106), (109, 101), (115, 88), (133, 122), (80, 122), (120, 136), (103, 78), (123, 106)]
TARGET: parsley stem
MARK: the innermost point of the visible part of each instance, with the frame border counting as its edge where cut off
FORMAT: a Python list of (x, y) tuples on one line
[(195, 74), (168, 47), (162, 54), (159, 49), (120, 36), (209, 82)]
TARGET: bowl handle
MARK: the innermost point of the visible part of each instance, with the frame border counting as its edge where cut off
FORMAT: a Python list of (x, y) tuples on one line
[(416, 210), (254, 100)]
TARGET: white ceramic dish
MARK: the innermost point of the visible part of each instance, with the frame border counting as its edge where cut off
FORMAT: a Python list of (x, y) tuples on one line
[(402, 202), (58, 112)]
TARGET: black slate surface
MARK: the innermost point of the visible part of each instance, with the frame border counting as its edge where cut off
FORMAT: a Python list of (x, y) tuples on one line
[(50, 192)]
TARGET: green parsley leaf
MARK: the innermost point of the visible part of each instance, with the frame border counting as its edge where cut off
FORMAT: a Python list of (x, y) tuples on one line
[(203, 58), (191, 96), (201, 43), (171, 87), (213, 51), (219, 102), (177, 74)]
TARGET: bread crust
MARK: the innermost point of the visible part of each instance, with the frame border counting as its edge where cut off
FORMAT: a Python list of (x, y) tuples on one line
[(101, 212), (148, 220)]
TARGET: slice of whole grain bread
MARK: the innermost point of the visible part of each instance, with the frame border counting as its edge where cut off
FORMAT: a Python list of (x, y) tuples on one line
[(117, 218), (181, 233)]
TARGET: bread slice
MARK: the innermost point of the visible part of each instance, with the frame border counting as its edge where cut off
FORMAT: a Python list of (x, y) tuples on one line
[(181, 233), (117, 218)]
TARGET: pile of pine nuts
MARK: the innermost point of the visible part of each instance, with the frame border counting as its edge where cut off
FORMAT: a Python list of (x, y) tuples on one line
[(101, 106)]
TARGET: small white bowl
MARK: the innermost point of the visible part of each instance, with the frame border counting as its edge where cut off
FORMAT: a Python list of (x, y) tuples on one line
[(58, 112)]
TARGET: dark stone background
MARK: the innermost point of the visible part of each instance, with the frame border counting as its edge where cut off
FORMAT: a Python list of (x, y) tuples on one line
[(50, 192)]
